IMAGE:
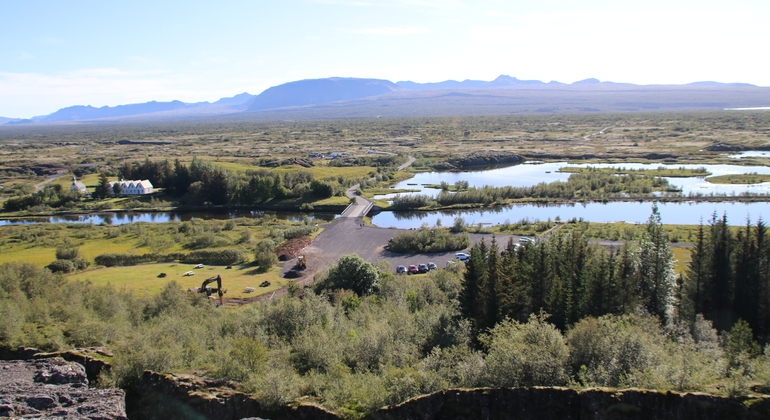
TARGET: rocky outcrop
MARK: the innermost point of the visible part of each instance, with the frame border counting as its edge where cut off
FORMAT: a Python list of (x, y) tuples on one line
[(188, 396), (48, 388), (485, 158), (217, 400), (568, 404), (93, 366)]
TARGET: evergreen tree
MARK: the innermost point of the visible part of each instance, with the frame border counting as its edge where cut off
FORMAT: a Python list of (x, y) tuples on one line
[(513, 295), (745, 275), (698, 276), (721, 275), (103, 188), (180, 181), (492, 287), (658, 279), (627, 273), (471, 294)]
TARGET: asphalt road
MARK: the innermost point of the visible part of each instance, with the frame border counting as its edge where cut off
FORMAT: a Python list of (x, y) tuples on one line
[(346, 236)]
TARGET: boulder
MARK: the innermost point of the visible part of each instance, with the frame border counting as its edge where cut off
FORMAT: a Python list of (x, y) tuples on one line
[(48, 388)]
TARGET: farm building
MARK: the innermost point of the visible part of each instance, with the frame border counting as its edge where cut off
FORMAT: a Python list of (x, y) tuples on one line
[(132, 187)]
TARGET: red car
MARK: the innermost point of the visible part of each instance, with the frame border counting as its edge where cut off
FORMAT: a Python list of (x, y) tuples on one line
[(413, 269)]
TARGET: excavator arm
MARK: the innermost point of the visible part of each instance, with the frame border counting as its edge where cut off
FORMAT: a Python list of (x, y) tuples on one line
[(218, 290)]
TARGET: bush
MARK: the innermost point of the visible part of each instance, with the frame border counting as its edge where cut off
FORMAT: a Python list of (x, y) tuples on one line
[(353, 273), (216, 256), (424, 240), (61, 266), (264, 256), (206, 256), (299, 231), (531, 354), (607, 351)]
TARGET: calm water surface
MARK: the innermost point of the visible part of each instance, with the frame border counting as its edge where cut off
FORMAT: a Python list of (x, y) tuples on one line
[(631, 212), (161, 217), (520, 176)]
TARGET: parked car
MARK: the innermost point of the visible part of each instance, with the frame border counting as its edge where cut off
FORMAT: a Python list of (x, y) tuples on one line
[(526, 240), (199, 266), (462, 256), (413, 269), (422, 268), (400, 269), (432, 266)]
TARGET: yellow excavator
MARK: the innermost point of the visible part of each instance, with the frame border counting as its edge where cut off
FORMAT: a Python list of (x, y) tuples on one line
[(301, 263), (211, 290)]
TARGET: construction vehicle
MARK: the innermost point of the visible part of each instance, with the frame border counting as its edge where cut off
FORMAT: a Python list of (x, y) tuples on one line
[(301, 263), (211, 290)]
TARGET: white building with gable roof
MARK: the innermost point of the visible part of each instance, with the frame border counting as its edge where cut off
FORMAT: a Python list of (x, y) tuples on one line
[(133, 187)]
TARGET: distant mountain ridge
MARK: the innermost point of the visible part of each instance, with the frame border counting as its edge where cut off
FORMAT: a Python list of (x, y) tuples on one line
[(502, 80), (318, 91), (340, 97)]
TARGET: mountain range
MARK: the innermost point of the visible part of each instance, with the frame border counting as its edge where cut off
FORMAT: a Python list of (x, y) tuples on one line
[(338, 97)]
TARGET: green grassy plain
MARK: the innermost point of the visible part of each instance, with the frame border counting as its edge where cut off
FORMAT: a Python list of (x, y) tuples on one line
[(143, 278)]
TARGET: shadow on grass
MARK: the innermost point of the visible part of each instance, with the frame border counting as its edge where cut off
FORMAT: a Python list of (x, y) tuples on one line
[(256, 270)]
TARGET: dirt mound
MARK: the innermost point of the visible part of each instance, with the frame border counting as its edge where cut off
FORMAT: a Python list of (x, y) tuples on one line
[(292, 274), (290, 248)]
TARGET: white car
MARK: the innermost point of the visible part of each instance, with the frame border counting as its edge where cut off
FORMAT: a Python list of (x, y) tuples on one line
[(189, 273), (462, 256), (199, 266)]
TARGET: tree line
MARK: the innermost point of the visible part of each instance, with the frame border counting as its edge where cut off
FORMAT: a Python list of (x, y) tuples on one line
[(729, 276), (569, 278)]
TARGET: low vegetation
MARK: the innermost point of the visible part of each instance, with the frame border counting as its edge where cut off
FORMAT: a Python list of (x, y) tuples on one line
[(659, 172), (367, 338), (426, 241), (753, 178), (561, 311)]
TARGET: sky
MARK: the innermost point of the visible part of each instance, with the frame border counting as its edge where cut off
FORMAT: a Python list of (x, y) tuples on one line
[(55, 53)]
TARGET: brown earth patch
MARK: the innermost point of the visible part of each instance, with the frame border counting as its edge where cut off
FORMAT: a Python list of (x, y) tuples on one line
[(292, 247)]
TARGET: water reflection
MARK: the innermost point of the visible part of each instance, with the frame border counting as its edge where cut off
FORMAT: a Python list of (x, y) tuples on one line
[(687, 213), (120, 218)]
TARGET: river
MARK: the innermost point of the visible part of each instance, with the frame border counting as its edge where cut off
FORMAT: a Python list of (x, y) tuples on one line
[(119, 218)]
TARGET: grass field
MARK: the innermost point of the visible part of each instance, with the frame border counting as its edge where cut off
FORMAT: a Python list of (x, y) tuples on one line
[(143, 279)]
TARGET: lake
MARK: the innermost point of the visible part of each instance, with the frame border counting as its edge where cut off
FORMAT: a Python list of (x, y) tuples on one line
[(529, 174), (632, 212)]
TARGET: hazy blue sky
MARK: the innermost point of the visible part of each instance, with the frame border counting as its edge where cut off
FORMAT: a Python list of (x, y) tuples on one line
[(57, 53)]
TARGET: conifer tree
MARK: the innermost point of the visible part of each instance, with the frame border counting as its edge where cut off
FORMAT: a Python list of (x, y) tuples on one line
[(513, 295), (492, 286), (721, 275), (471, 294), (103, 188), (698, 277), (658, 279)]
